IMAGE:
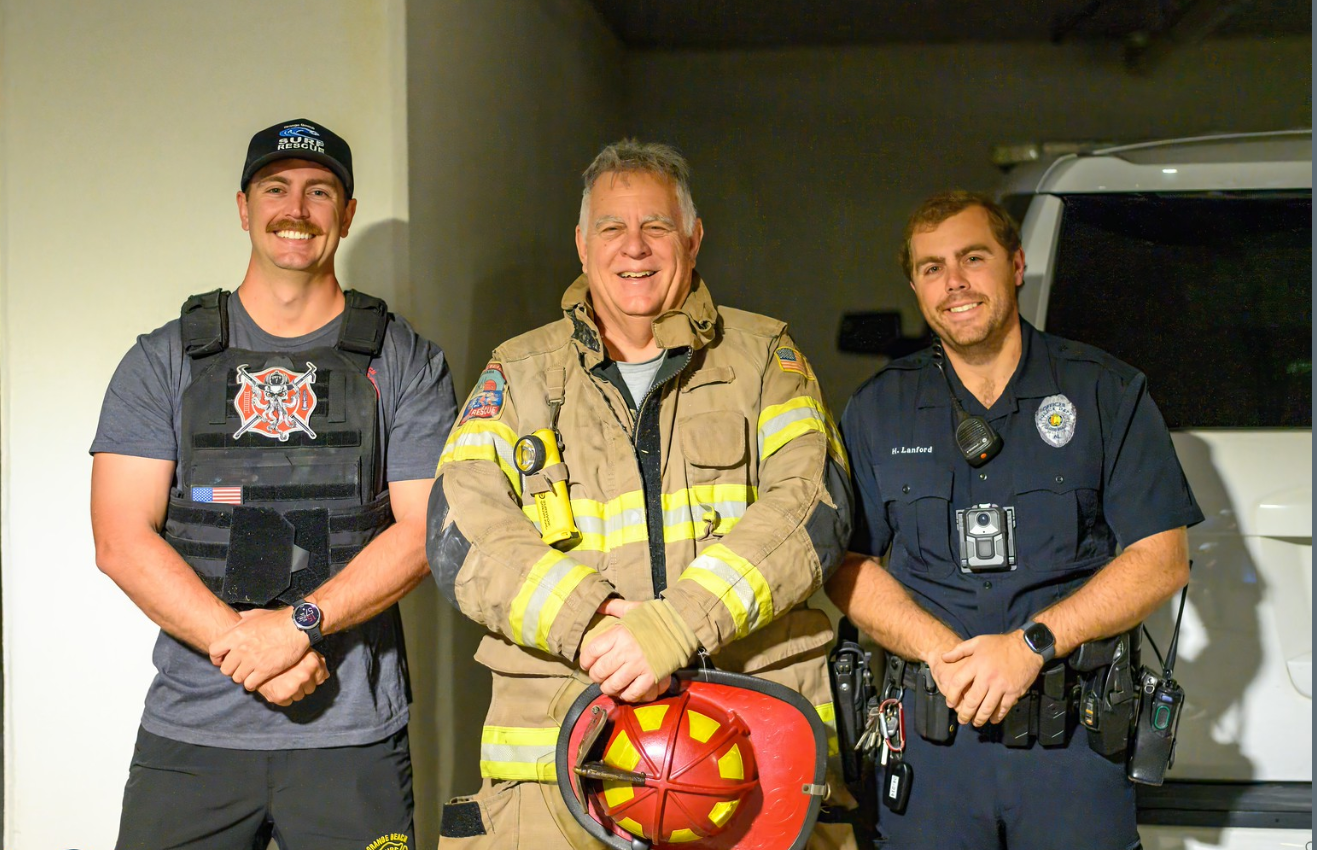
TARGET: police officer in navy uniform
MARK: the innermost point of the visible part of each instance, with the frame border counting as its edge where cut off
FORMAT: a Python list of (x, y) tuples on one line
[(986, 571)]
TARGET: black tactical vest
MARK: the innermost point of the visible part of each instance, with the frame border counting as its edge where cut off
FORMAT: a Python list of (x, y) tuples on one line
[(280, 468)]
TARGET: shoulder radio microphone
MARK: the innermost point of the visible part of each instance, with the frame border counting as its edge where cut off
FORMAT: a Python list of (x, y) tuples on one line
[(976, 439)]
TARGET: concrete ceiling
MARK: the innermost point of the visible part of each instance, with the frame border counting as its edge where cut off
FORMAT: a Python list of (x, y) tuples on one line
[(732, 24)]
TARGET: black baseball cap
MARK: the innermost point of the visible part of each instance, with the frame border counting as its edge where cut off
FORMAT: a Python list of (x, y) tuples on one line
[(299, 139)]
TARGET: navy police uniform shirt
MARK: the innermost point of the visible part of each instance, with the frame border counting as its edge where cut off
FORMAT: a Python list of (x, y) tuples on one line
[(1087, 465)]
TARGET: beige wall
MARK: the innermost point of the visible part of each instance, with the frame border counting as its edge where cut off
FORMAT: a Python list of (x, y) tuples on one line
[(124, 128), (508, 102), (807, 161)]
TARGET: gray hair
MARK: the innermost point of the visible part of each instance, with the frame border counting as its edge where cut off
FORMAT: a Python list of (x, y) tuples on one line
[(631, 156)]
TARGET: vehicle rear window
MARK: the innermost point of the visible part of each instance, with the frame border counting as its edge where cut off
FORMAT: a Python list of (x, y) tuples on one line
[(1210, 295)]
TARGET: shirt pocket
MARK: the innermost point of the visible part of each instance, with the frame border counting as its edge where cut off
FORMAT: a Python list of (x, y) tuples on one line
[(711, 444), (918, 501), (1056, 512), (715, 455)]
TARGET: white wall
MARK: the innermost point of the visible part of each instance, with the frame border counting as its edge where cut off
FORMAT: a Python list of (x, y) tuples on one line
[(124, 129), (807, 161), (123, 132)]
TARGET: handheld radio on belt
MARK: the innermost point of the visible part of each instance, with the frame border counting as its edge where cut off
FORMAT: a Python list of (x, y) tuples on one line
[(1152, 746)]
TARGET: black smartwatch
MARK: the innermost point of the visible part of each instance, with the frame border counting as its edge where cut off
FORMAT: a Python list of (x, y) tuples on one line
[(307, 617), (1040, 639)]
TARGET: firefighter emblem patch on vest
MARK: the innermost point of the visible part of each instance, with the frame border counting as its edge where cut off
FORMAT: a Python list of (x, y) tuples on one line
[(487, 400), (275, 402)]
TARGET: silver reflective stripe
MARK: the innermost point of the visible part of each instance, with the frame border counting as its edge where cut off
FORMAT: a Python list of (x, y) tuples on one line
[(738, 583), (626, 519), (530, 624), (518, 753), (687, 513), (486, 438), (782, 420)]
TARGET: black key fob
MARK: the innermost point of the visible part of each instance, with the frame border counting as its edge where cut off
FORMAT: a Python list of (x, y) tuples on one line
[(896, 785)]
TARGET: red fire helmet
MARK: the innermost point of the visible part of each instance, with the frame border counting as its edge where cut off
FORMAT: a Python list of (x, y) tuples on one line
[(724, 760)]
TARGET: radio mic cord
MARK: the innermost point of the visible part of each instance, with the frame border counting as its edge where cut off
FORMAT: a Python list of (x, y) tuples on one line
[(975, 438)]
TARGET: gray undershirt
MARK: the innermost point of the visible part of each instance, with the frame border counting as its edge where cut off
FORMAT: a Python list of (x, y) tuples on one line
[(639, 377)]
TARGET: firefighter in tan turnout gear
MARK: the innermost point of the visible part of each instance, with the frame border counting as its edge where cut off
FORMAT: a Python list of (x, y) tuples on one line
[(709, 497)]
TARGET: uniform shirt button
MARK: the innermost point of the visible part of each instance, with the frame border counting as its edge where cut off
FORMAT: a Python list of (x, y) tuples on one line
[(987, 585), (983, 476), (905, 488), (1060, 479)]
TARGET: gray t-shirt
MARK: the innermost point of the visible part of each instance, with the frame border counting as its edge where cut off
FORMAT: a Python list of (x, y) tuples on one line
[(640, 376), (365, 699)]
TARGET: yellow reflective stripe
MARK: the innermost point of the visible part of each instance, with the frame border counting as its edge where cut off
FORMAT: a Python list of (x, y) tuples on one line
[(828, 714), (551, 581), (685, 512), (482, 440), (610, 525), (835, 446), (737, 583), (511, 752), (779, 424)]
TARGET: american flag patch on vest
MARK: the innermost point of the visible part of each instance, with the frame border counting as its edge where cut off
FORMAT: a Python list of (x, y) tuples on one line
[(227, 495)]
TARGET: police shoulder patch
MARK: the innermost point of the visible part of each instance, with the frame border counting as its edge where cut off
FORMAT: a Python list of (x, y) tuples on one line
[(486, 400), (1056, 420), (791, 360)]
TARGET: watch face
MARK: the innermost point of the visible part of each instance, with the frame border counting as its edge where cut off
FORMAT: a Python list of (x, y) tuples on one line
[(1039, 637), (306, 616)]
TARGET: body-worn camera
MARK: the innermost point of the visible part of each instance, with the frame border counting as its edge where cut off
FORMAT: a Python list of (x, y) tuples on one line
[(987, 538)]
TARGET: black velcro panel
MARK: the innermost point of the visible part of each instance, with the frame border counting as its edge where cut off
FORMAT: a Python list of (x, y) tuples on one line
[(365, 319), (324, 439), (260, 556), (378, 514), (312, 534), (298, 492), (197, 515), (340, 555), (461, 820), (197, 549), (204, 323), (336, 398)]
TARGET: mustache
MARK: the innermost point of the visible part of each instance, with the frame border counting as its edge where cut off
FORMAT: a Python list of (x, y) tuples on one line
[(296, 226)]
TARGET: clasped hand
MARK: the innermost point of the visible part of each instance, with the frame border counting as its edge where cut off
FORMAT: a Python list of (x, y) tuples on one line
[(266, 653), (615, 661), (982, 678)]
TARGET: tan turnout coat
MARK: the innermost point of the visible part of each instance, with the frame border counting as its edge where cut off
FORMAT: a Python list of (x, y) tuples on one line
[(755, 510)]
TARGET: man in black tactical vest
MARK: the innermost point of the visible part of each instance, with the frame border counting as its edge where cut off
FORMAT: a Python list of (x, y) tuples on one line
[(259, 487)]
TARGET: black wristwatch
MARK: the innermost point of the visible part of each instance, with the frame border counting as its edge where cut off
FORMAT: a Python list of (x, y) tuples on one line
[(307, 617), (1040, 639)]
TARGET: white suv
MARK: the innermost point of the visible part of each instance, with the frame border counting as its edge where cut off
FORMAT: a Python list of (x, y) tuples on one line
[(1192, 260)]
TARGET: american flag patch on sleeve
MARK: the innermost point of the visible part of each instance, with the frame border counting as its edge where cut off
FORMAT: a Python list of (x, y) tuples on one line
[(227, 495), (792, 360)]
